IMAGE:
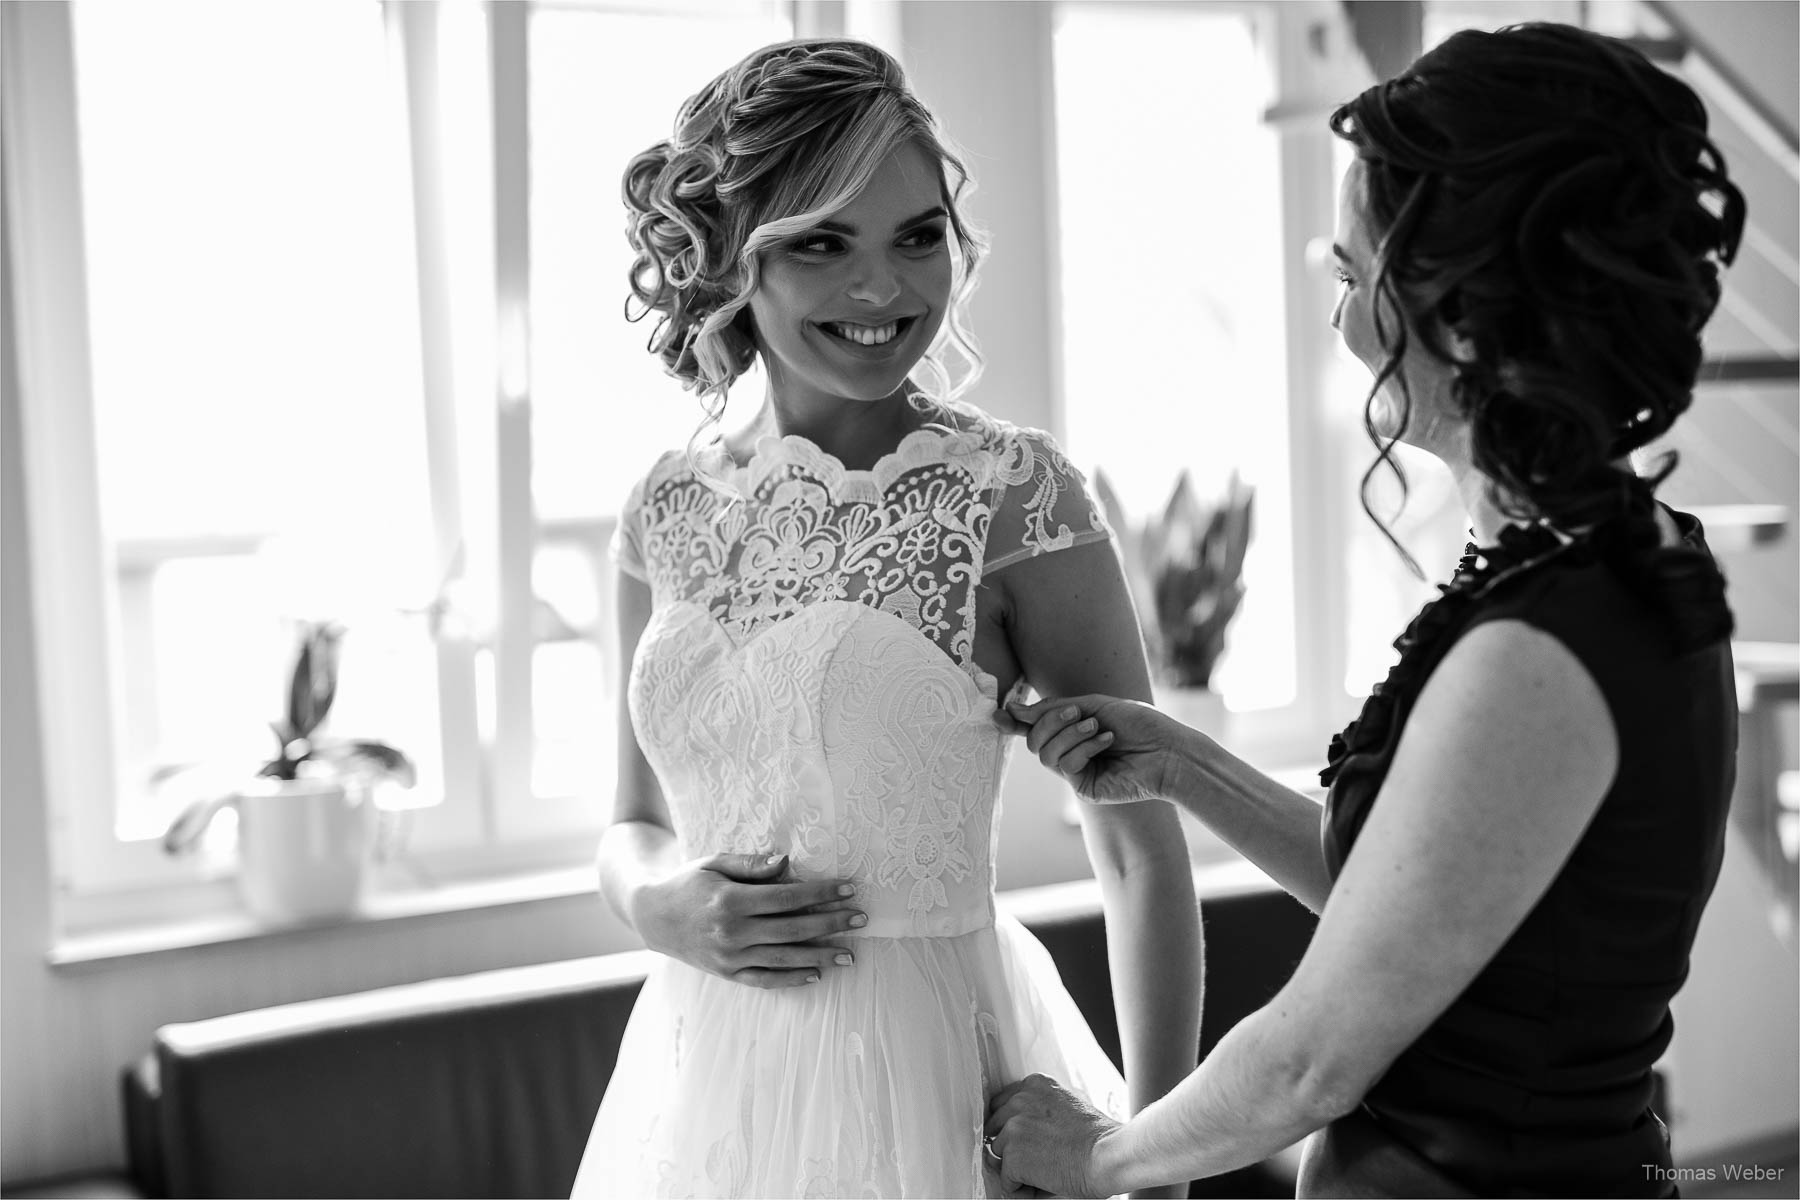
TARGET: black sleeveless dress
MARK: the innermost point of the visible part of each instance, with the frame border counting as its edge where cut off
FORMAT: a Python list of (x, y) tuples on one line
[(1537, 1080)]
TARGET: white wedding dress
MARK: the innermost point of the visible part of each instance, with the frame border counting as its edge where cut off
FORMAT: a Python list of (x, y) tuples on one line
[(806, 685)]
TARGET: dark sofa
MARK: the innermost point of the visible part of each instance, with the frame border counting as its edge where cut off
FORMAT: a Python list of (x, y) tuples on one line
[(485, 1085)]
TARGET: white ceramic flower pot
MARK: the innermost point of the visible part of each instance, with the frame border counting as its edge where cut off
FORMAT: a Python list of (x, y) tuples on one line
[(1202, 709), (303, 846), (1197, 708)]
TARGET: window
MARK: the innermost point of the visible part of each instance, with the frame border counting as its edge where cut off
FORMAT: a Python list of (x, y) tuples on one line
[(1173, 347), (1196, 197), (277, 372), (1193, 195), (239, 390), (602, 88)]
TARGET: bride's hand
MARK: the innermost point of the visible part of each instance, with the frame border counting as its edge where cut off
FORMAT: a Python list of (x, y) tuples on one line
[(735, 916), (1113, 751)]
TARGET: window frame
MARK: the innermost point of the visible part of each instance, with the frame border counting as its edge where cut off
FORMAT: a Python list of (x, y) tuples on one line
[(91, 595), (1305, 87)]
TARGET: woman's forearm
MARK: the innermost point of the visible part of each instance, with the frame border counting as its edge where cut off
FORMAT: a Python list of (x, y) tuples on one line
[(1252, 1097), (1154, 950), (631, 855), (1273, 826)]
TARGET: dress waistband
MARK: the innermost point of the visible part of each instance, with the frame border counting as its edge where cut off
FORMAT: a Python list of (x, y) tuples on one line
[(938, 923), (918, 901)]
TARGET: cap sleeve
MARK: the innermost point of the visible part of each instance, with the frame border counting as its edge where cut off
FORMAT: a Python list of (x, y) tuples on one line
[(627, 545), (1043, 503)]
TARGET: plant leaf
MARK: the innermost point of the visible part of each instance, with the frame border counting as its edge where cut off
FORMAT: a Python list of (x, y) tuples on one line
[(192, 822), (300, 687), (378, 760), (326, 647)]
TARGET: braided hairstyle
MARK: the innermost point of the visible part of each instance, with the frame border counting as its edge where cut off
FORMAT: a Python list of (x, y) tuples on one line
[(764, 152), (1553, 198)]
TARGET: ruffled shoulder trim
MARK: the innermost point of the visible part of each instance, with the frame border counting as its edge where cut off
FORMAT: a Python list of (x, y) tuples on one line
[(1480, 571), (1682, 582)]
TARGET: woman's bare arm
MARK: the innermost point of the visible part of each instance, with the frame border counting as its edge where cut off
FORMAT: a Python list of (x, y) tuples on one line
[(1131, 750), (1071, 625)]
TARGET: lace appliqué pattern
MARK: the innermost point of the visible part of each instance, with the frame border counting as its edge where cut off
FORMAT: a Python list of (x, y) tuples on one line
[(842, 741), (910, 536)]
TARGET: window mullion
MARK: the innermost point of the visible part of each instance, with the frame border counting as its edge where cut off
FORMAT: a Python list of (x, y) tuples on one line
[(1314, 68), (414, 32), (509, 25)]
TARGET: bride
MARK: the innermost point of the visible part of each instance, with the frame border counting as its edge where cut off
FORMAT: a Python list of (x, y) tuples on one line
[(821, 612)]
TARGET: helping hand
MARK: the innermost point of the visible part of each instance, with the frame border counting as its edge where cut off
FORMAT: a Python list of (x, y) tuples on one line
[(1045, 1137), (735, 916), (1113, 751)]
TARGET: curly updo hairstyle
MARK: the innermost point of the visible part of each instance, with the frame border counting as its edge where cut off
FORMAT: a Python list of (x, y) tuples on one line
[(1553, 197), (764, 152)]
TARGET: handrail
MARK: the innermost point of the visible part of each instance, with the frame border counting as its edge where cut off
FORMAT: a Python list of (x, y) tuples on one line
[(1750, 368), (1725, 87)]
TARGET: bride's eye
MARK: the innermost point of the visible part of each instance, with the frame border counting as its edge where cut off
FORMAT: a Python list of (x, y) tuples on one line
[(816, 245), (929, 237)]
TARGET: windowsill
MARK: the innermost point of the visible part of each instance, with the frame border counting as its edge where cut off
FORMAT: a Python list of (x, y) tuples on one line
[(1218, 872), (1214, 880), (378, 907)]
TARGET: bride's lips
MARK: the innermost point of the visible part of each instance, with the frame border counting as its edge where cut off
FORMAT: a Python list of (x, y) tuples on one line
[(904, 327)]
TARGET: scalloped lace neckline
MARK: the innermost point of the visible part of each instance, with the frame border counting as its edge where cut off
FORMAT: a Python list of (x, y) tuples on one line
[(927, 446)]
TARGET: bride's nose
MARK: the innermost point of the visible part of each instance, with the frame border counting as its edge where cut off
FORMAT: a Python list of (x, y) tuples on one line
[(874, 280)]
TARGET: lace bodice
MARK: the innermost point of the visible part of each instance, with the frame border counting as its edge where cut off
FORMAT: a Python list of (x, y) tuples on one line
[(806, 683)]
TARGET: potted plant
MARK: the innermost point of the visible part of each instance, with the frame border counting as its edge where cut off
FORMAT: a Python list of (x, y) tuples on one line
[(304, 817), (1185, 570)]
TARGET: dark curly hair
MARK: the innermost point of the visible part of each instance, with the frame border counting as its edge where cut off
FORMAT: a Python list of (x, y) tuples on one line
[(1554, 199), (763, 152)]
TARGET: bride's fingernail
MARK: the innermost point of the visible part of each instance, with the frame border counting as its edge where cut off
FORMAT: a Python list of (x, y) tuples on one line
[(1070, 713), (844, 960), (845, 889), (858, 921), (773, 860)]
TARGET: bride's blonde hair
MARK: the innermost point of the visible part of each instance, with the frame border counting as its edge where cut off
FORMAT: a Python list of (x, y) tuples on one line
[(766, 151)]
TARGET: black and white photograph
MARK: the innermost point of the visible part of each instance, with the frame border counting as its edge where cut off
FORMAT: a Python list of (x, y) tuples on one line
[(899, 598)]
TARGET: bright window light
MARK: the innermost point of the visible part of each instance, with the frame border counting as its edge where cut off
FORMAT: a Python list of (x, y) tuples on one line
[(255, 367), (1173, 352), (604, 87)]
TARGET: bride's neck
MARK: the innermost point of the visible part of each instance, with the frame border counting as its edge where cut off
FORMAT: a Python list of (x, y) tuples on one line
[(855, 432)]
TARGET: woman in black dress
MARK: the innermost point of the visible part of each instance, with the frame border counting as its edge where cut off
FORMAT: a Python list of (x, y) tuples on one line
[(1523, 825)]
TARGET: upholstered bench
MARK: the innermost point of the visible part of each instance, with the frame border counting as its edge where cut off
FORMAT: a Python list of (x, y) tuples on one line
[(485, 1085)]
